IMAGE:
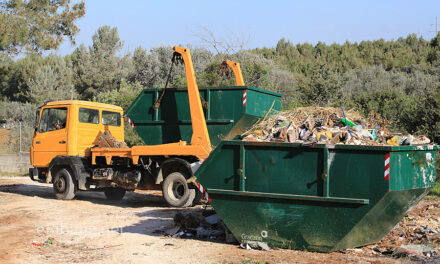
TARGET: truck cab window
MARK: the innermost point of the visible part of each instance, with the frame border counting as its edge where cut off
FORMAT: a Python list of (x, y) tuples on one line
[(111, 118), (53, 119), (43, 121), (87, 115)]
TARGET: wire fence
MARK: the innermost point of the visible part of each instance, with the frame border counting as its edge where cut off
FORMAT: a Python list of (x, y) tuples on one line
[(15, 141), (15, 137)]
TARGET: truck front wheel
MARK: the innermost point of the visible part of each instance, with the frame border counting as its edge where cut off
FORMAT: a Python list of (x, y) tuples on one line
[(63, 185), (114, 193), (175, 189)]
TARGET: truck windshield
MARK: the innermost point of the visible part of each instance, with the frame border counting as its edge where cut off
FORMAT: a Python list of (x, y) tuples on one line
[(111, 118), (53, 119)]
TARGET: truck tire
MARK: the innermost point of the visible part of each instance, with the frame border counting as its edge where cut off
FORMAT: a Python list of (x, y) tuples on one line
[(114, 194), (198, 197), (63, 185), (190, 200), (175, 190)]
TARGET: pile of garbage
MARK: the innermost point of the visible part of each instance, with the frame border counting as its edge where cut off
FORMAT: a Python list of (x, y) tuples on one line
[(328, 125), (201, 224), (420, 226), (106, 140), (417, 236)]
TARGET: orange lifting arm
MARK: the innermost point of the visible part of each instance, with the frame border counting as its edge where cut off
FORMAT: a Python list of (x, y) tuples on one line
[(200, 145), (235, 66), (200, 131)]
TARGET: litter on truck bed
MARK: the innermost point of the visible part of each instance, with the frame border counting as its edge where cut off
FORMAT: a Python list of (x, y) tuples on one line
[(328, 125), (106, 140)]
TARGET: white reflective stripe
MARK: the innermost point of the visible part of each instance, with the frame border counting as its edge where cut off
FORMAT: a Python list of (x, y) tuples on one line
[(387, 161), (387, 172)]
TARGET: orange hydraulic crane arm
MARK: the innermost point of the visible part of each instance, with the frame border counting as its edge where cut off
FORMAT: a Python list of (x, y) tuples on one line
[(235, 66), (200, 131), (200, 145)]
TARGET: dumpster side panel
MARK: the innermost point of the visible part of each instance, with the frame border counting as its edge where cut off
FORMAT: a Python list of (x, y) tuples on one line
[(172, 121), (315, 198), (259, 103), (274, 171), (225, 104), (141, 111), (286, 224), (412, 169), (225, 108), (225, 167), (151, 135), (304, 220), (382, 218), (357, 174)]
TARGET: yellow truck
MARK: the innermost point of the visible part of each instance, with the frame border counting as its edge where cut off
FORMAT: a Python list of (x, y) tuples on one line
[(64, 151)]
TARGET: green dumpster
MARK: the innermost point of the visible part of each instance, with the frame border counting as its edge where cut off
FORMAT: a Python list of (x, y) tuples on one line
[(316, 198), (229, 111)]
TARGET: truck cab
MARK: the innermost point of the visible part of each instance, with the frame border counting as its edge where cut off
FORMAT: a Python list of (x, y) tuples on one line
[(71, 128)]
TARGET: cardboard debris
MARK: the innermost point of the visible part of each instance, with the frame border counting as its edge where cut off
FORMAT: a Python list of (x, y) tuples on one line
[(106, 140), (326, 125)]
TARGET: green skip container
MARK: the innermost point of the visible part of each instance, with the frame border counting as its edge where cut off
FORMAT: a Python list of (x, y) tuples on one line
[(229, 111), (315, 198)]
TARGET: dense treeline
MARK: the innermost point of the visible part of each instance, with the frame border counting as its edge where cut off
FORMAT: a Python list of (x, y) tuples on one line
[(398, 79)]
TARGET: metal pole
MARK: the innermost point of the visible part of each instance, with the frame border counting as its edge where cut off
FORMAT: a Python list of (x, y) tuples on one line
[(20, 136)]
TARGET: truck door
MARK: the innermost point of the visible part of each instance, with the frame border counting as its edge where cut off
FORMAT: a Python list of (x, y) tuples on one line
[(51, 136)]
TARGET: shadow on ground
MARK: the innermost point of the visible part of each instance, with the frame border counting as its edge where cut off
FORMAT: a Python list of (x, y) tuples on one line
[(131, 199), (152, 221)]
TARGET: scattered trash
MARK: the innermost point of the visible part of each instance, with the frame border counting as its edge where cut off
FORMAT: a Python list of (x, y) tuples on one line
[(416, 237), (212, 219), (191, 220), (48, 241), (198, 224), (393, 141), (172, 231), (401, 252), (382, 250), (159, 230), (327, 125), (249, 245)]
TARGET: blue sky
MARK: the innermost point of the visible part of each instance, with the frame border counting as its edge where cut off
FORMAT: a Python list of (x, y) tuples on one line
[(153, 23)]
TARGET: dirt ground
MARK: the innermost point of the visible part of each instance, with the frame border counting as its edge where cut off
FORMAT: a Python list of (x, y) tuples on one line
[(91, 229)]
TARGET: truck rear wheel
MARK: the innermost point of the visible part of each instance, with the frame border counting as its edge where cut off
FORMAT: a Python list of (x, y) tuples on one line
[(114, 193), (175, 189), (63, 185), (197, 197)]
